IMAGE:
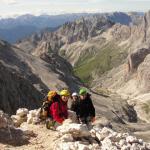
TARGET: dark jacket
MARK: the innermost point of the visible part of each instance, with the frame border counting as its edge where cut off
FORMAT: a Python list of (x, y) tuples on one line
[(75, 106), (86, 108)]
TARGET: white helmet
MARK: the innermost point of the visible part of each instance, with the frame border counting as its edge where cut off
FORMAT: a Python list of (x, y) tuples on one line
[(74, 94)]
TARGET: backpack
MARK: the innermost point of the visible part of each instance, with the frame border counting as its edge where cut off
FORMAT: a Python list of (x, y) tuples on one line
[(47, 102)]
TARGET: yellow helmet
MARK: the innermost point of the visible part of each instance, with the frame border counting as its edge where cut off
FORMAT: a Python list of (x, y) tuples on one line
[(51, 94), (64, 93)]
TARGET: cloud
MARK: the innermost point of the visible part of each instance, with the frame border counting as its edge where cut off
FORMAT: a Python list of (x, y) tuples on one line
[(8, 2)]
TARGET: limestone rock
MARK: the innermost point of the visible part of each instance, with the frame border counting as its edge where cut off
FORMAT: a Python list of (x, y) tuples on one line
[(104, 133), (33, 116), (20, 117), (131, 139), (71, 138), (67, 138), (22, 112), (17, 120), (77, 130)]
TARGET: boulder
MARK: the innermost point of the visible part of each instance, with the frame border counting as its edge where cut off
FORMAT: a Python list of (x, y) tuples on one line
[(17, 120), (66, 146), (22, 112), (83, 147), (108, 145), (34, 116), (77, 130), (104, 133), (122, 142), (131, 139), (67, 138), (29, 119)]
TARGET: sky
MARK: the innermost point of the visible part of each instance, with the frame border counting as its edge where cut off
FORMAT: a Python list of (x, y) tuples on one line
[(37, 7)]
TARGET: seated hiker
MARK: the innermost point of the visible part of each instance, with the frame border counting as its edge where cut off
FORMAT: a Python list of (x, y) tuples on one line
[(58, 109), (75, 102), (86, 110)]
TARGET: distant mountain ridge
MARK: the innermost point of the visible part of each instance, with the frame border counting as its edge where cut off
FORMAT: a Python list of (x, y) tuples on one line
[(14, 29)]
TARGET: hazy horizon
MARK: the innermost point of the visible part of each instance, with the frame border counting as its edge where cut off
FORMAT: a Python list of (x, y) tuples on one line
[(11, 8)]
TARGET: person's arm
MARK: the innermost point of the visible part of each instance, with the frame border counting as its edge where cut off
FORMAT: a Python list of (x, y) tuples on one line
[(56, 112), (92, 109)]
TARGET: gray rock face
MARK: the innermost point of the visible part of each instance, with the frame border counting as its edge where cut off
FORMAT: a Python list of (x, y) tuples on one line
[(136, 58), (16, 91), (144, 74), (25, 78)]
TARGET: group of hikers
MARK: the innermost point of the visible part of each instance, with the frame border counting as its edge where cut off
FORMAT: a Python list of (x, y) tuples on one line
[(55, 108)]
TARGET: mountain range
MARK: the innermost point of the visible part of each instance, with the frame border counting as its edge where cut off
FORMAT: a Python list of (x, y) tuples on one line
[(14, 29)]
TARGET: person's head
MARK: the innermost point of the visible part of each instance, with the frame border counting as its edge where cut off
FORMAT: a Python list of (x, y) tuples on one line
[(83, 93), (74, 96), (64, 95), (51, 95)]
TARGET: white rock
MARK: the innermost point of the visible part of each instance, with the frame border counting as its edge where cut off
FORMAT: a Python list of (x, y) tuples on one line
[(30, 119), (22, 112), (105, 132), (125, 135), (147, 145), (77, 130), (131, 139), (33, 113), (36, 120), (140, 141), (67, 138), (119, 135), (125, 147), (93, 133), (34, 116), (135, 146), (106, 144), (114, 134), (97, 129), (95, 147), (83, 147), (65, 146), (122, 142), (38, 112), (18, 120), (100, 136), (67, 121)]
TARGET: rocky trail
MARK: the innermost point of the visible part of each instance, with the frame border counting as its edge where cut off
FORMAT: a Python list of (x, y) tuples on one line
[(109, 132)]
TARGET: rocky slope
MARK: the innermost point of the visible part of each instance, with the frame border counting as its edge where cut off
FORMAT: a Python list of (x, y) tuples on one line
[(25, 79), (68, 136), (131, 79)]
